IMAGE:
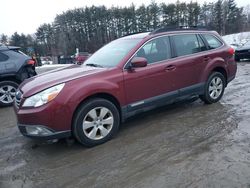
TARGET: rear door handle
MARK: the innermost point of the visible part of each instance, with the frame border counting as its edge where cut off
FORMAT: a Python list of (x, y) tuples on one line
[(170, 68), (206, 58)]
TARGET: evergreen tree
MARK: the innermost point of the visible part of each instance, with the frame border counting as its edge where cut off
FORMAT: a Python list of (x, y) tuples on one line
[(168, 14), (4, 39), (217, 19), (89, 28)]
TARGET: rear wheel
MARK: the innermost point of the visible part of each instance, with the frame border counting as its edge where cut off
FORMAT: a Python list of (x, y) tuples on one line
[(7, 92), (96, 122), (214, 88)]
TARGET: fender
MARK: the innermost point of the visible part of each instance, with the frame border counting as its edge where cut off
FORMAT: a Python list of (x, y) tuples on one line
[(217, 62), (7, 75), (91, 88)]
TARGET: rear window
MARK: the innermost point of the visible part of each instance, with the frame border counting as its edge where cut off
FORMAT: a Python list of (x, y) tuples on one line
[(212, 41), (20, 52), (3, 57)]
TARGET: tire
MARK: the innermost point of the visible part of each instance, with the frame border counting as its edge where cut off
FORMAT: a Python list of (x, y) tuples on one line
[(214, 88), (7, 92), (89, 126)]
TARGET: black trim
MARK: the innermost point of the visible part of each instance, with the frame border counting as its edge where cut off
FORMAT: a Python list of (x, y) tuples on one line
[(204, 41), (173, 47), (230, 79), (161, 100), (52, 136), (191, 90), (5, 75)]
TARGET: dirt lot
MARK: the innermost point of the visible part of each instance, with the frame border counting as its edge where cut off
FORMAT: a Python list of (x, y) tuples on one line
[(182, 145)]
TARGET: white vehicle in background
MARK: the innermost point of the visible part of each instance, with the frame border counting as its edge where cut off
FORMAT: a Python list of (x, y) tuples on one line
[(46, 60), (234, 46)]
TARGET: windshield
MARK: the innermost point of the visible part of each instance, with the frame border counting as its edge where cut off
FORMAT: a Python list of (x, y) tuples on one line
[(111, 54)]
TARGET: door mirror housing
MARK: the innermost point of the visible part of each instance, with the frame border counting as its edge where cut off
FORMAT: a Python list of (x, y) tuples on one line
[(139, 62)]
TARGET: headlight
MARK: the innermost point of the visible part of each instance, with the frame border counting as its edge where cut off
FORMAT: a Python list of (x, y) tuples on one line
[(43, 97)]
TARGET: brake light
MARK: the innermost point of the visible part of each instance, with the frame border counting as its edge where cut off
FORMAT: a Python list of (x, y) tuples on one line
[(231, 51), (31, 62)]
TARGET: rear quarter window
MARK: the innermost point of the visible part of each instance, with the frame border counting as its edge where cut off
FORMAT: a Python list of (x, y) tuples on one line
[(3, 57), (212, 41)]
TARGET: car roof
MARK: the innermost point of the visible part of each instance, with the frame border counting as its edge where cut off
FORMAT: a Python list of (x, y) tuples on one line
[(184, 32), (4, 48), (136, 36), (160, 32)]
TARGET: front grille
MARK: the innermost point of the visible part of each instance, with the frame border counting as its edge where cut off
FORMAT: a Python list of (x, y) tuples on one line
[(18, 98)]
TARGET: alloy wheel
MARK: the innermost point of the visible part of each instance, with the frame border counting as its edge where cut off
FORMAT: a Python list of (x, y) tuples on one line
[(7, 94), (215, 87), (98, 123)]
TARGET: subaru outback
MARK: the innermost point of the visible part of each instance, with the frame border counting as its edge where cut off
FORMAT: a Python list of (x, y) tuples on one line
[(128, 76)]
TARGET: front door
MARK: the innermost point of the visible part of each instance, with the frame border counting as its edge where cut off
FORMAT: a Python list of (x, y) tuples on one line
[(148, 85)]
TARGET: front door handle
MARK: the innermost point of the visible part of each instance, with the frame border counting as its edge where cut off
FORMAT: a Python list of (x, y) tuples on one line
[(170, 68)]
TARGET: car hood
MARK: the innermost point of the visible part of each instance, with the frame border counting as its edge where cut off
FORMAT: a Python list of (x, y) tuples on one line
[(243, 48), (43, 81)]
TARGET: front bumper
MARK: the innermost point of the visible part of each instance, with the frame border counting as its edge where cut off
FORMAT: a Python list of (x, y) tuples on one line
[(49, 134)]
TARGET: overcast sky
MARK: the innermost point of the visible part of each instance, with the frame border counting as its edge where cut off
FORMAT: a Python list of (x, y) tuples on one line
[(25, 16)]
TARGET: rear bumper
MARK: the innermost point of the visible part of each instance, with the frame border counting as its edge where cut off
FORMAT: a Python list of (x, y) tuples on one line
[(50, 135)]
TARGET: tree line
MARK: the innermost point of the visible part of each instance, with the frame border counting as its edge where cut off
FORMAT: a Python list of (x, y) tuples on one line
[(89, 28)]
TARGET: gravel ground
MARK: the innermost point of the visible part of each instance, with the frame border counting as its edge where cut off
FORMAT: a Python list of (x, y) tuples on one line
[(182, 145)]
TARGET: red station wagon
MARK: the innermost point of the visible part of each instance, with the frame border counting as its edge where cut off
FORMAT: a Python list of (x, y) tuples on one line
[(130, 75)]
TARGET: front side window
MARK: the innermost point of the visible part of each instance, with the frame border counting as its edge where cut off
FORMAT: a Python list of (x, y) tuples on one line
[(212, 41), (186, 44), (155, 50)]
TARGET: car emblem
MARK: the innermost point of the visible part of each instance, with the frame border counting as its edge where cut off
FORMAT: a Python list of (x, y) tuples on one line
[(18, 94)]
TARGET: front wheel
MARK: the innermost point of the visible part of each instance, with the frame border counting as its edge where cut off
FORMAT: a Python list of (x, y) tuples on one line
[(7, 92), (214, 88), (96, 121)]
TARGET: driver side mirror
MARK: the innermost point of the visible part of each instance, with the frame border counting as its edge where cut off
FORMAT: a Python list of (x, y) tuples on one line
[(138, 62)]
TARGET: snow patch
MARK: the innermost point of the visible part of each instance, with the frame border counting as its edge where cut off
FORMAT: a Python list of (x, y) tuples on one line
[(237, 38)]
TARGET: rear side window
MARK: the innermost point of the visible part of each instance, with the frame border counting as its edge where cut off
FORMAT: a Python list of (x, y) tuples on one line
[(212, 41), (3, 57), (187, 44), (156, 50)]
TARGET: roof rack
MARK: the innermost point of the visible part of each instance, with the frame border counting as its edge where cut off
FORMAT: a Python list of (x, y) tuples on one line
[(178, 28)]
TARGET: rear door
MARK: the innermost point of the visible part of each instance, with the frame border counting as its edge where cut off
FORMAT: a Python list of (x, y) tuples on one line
[(189, 62)]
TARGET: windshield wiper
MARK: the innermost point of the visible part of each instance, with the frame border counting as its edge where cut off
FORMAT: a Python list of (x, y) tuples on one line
[(93, 65)]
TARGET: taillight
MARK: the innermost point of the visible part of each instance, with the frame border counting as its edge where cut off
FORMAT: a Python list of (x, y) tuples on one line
[(31, 62), (231, 51)]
